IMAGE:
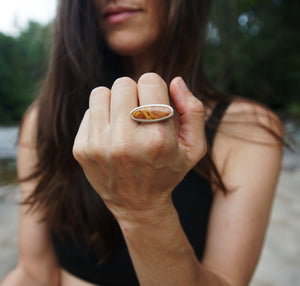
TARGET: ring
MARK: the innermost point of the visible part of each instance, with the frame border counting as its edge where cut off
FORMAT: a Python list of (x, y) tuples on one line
[(151, 113)]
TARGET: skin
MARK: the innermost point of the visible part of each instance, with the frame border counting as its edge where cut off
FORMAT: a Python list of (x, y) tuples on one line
[(136, 183), (136, 39)]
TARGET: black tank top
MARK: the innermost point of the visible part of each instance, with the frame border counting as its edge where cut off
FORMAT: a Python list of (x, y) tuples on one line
[(192, 199)]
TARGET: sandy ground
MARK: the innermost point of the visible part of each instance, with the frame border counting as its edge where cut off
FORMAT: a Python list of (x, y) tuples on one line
[(280, 261), (9, 219)]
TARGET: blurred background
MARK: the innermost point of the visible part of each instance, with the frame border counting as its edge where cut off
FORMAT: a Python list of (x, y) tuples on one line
[(252, 49)]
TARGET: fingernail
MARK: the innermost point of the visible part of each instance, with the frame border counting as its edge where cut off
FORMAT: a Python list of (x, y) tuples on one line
[(182, 84)]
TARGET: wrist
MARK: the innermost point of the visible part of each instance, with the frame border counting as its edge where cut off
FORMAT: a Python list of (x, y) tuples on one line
[(152, 215), (160, 227)]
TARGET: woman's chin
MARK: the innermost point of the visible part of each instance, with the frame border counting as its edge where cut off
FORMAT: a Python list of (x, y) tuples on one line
[(129, 47), (126, 51)]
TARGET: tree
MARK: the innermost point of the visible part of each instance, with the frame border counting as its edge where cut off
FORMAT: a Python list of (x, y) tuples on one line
[(252, 50), (256, 53), (12, 78), (23, 62)]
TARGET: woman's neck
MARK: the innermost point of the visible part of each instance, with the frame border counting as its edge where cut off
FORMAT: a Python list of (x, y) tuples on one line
[(135, 66)]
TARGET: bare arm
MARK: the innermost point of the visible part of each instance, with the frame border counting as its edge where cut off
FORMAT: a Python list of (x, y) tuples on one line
[(238, 220), (134, 168), (37, 263), (250, 165)]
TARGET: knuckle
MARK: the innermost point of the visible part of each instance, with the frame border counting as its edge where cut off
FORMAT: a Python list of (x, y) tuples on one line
[(123, 82), (118, 151), (151, 79), (160, 136), (100, 90), (95, 149), (97, 95), (196, 106), (159, 142), (79, 153)]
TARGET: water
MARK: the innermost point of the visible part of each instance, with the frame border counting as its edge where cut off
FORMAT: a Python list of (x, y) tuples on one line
[(8, 154), (8, 143), (9, 136)]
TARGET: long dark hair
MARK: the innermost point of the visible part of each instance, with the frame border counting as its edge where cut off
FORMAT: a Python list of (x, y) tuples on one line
[(80, 61)]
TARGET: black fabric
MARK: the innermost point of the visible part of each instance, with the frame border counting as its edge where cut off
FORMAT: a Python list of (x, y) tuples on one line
[(214, 121), (192, 199)]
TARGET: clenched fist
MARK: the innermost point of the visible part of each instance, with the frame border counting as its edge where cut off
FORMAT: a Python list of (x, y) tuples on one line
[(135, 166)]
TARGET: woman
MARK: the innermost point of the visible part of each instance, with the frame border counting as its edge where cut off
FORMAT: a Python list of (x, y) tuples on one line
[(184, 201)]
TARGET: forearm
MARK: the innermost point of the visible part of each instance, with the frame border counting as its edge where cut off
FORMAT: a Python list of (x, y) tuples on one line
[(161, 252), (20, 277)]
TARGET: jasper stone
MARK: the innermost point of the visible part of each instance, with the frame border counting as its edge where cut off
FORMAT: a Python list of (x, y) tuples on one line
[(152, 112)]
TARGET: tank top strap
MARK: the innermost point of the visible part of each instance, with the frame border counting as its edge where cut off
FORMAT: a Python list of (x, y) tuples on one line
[(214, 120)]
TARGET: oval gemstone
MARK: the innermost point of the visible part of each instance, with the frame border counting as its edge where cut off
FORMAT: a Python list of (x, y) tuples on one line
[(152, 112)]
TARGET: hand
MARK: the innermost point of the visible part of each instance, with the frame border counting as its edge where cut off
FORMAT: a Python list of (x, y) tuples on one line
[(134, 167)]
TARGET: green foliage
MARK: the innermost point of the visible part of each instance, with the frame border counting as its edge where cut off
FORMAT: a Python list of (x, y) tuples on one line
[(11, 77), (257, 54), (253, 50), (23, 61)]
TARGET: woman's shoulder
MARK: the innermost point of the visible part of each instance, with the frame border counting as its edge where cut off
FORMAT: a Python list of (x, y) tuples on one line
[(28, 127), (245, 118), (246, 127)]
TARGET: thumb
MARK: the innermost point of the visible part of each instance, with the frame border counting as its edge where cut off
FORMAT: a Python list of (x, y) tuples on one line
[(191, 134)]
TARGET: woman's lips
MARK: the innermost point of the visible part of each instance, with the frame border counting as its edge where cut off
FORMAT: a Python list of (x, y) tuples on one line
[(118, 15)]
